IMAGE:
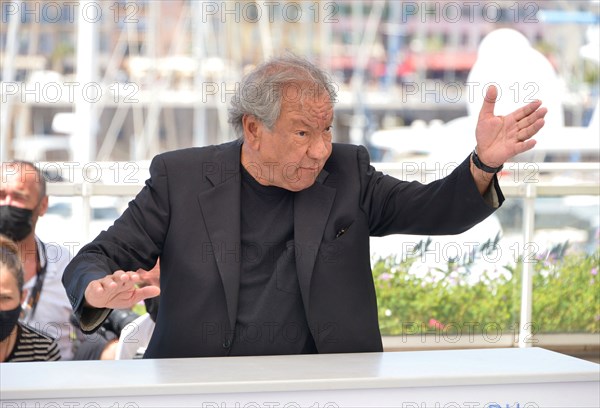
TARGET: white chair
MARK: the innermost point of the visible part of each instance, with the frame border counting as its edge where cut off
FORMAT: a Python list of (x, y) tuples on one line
[(134, 338)]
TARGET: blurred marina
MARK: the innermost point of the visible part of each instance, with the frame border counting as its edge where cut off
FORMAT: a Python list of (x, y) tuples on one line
[(141, 77)]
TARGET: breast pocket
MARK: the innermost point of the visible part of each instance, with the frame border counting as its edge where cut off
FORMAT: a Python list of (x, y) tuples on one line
[(340, 230)]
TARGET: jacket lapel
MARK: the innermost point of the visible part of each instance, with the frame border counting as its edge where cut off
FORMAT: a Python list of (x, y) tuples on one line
[(311, 211), (221, 211)]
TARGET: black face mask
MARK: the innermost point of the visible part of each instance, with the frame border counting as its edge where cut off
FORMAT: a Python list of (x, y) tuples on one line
[(8, 321), (15, 222)]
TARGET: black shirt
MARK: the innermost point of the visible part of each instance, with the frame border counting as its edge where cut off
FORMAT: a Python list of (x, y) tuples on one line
[(271, 317)]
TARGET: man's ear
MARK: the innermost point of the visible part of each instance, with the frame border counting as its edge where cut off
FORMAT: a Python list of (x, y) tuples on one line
[(252, 131)]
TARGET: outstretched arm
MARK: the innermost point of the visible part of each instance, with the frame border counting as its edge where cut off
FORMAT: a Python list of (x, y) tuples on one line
[(499, 138)]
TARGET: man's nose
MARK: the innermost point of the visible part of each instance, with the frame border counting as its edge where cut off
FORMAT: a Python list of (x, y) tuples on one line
[(318, 149)]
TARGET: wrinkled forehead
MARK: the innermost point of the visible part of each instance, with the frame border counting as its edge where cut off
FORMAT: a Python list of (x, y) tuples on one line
[(309, 100)]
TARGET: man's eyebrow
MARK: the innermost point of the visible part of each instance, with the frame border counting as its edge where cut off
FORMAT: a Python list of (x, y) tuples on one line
[(302, 121)]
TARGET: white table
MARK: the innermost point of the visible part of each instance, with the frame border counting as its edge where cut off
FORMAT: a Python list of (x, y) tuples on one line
[(491, 378)]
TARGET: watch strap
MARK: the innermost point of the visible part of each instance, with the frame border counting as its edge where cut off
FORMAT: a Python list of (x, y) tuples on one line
[(482, 166)]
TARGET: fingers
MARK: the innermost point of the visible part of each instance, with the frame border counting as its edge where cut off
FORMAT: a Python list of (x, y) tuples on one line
[(524, 146), (489, 102), (529, 124), (524, 137), (130, 298), (150, 277), (94, 293), (119, 281), (526, 122), (530, 131), (147, 292), (113, 291), (528, 109), (122, 276)]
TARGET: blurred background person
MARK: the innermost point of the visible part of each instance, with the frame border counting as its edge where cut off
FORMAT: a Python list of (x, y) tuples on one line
[(18, 342), (45, 306)]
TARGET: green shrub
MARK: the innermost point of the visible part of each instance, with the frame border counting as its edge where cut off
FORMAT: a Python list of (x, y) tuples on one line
[(565, 295)]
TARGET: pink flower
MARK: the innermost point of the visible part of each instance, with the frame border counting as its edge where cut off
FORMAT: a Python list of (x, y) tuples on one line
[(594, 271), (435, 323), (385, 276)]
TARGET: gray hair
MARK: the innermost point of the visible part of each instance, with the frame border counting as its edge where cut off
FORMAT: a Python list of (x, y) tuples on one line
[(260, 93)]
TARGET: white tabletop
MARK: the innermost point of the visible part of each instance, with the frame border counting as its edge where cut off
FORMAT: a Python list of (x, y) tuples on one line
[(292, 373)]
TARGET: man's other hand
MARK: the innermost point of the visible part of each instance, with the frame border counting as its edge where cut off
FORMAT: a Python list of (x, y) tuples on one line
[(118, 291)]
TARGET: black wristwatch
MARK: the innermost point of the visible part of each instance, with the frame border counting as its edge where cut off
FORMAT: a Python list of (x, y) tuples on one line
[(482, 166)]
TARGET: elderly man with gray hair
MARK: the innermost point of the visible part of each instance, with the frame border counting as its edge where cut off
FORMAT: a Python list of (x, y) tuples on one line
[(264, 241)]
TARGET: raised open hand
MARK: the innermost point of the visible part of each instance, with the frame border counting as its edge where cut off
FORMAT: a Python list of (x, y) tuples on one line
[(499, 138), (118, 291)]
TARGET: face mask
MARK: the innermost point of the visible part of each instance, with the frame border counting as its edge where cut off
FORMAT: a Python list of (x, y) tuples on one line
[(15, 222), (8, 321)]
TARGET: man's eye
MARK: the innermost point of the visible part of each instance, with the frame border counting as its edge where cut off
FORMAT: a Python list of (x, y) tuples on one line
[(302, 133), (329, 128)]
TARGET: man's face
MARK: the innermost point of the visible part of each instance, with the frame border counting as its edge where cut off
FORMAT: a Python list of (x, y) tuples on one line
[(20, 189), (294, 152), (10, 297)]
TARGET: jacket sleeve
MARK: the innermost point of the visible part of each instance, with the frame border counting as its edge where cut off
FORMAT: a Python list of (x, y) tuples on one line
[(450, 205), (134, 241)]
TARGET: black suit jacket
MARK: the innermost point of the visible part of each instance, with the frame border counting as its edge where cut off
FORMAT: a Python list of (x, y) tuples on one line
[(189, 214)]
